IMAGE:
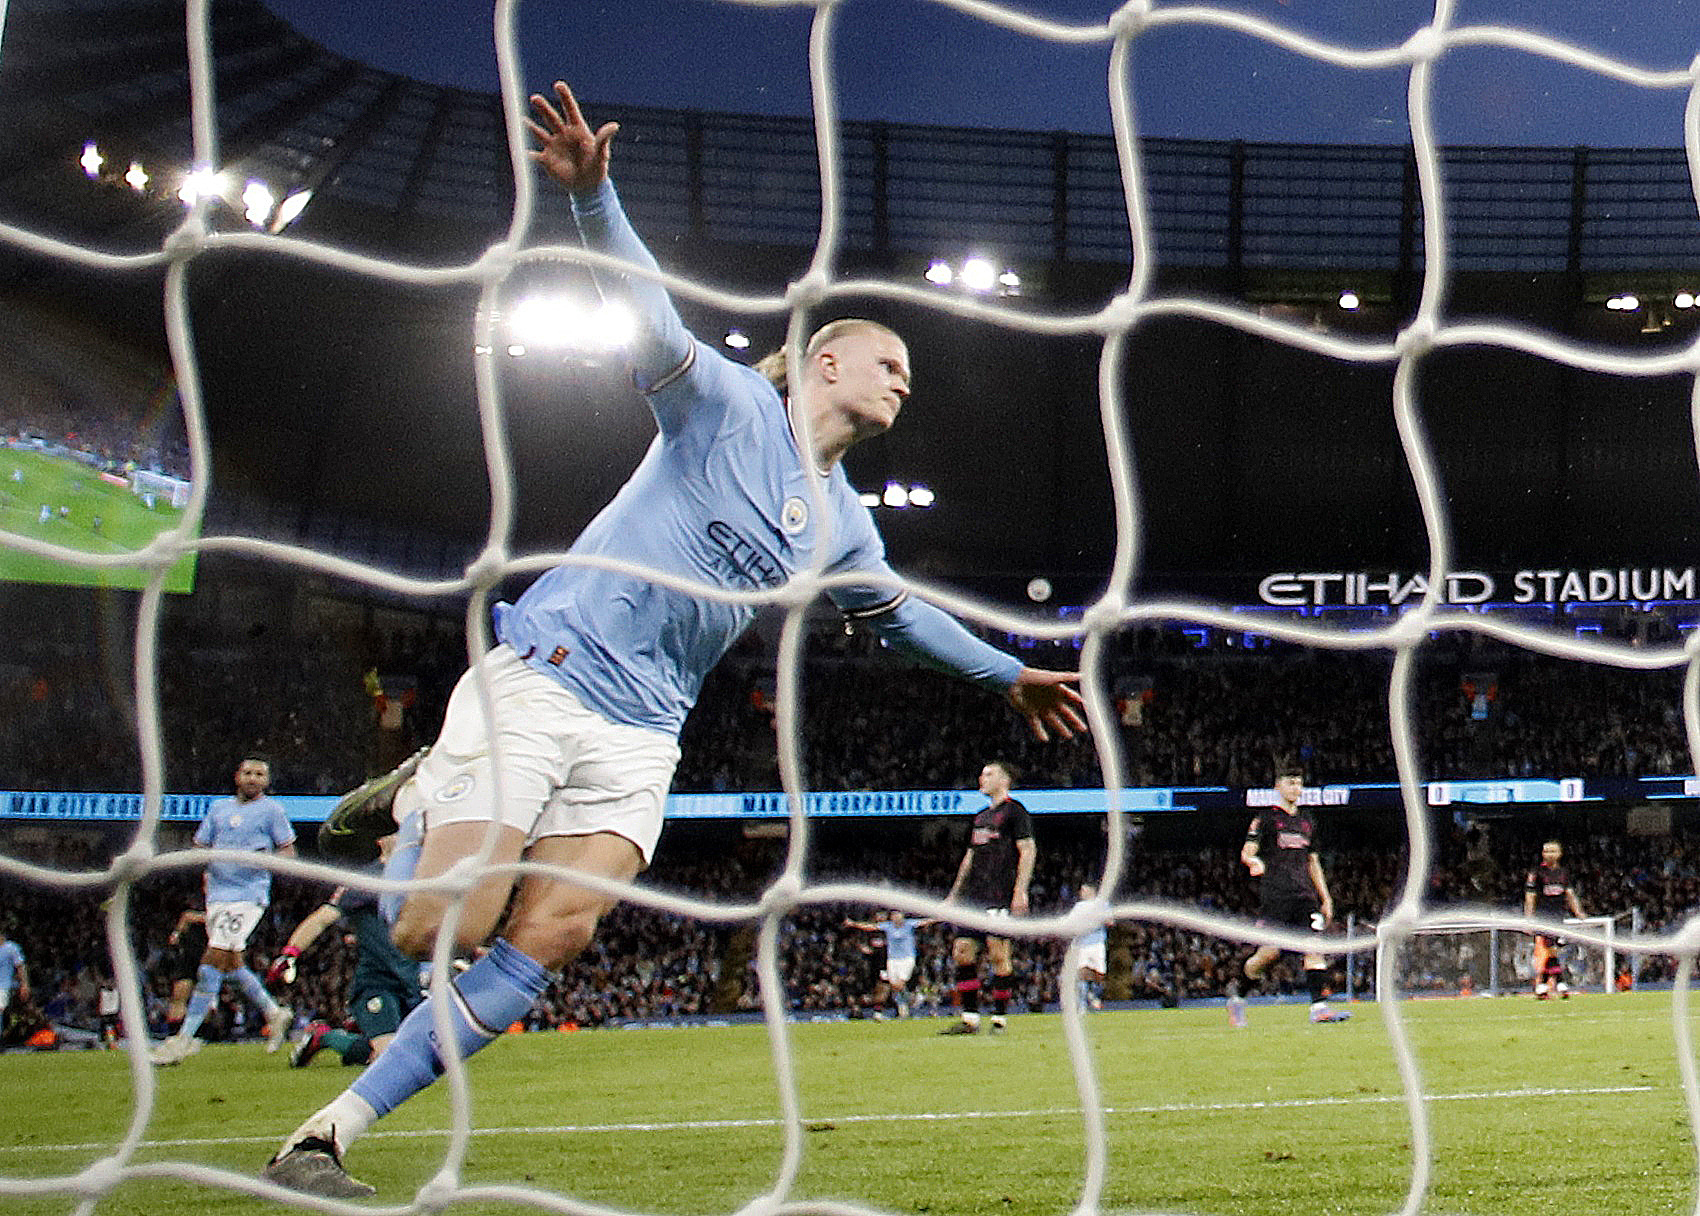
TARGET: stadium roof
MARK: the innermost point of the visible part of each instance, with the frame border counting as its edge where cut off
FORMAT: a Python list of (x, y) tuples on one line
[(420, 170), (335, 402)]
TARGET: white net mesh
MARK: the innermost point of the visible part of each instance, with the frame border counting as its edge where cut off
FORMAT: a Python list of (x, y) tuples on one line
[(1137, 305)]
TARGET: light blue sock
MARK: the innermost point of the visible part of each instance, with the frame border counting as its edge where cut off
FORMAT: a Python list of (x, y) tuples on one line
[(404, 860), (208, 980), (485, 1000), (254, 990)]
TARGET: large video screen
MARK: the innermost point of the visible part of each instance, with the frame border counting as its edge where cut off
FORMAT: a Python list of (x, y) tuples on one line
[(93, 456)]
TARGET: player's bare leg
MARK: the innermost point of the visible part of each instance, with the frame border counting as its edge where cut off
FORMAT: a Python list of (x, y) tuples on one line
[(555, 919), (1003, 979), (423, 912), (965, 954), (1316, 980)]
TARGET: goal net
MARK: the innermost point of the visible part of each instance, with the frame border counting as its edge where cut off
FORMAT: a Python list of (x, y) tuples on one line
[(1475, 958), (1414, 939)]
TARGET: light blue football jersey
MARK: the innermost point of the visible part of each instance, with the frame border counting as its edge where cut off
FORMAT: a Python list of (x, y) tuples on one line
[(899, 941), (11, 959), (722, 498), (260, 826)]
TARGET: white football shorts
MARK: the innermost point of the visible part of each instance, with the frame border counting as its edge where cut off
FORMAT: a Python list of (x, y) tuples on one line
[(229, 925), (1092, 958), (566, 770), (898, 971)]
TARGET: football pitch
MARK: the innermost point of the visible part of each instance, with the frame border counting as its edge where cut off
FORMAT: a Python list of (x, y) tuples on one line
[(1566, 1106), (97, 517)]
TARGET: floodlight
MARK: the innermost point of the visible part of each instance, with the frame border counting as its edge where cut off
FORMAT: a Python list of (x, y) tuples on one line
[(1349, 300), (895, 495), (257, 203), (737, 339), (920, 496), (199, 184), (979, 275), (91, 159), (137, 178), (940, 274), (290, 209), (869, 498), (1684, 299)]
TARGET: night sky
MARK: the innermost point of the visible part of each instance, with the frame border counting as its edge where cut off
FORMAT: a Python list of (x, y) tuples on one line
[(922, 62)]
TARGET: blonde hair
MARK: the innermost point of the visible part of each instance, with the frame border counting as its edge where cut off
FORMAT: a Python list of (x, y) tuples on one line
[(776, 367)]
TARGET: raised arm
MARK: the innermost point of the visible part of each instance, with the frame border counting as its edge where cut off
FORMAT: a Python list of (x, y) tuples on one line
[(577, 157)]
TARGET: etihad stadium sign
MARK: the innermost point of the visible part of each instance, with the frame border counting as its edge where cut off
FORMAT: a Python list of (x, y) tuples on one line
[(1375, 588)]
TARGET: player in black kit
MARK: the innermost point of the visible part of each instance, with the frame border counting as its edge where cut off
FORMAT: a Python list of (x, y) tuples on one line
[(1547, 893), (993, 877), (1280, 849), (180, 960)]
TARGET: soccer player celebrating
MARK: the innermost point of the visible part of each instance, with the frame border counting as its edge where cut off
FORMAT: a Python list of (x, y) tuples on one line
[(595, 669), (237, 896), (1280, 850), (898, 933), (994, 874), (1547, 893)]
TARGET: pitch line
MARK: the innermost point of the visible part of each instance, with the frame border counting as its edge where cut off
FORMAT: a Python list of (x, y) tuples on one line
[(686, 1125)]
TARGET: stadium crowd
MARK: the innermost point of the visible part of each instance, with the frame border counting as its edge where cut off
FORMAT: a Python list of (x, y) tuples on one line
[(333, 694), (650, 963), (332, 703)]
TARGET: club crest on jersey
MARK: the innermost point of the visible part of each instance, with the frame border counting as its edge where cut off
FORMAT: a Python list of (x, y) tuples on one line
[(457, 788), (794, 515)]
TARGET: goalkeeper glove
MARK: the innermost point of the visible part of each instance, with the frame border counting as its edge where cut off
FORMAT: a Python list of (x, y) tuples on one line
[(282, 970)]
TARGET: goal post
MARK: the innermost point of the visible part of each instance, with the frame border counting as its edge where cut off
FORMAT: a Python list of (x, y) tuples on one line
[(1478, 957)]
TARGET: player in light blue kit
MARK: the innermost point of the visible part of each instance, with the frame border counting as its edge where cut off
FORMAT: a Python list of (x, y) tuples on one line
[(1094, 965), (13, 974), (900, 958), (595, 671), (237, 896)]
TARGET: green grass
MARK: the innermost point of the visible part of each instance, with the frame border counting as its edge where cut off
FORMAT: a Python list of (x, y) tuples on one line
[(126, 525), (1572, 1106)]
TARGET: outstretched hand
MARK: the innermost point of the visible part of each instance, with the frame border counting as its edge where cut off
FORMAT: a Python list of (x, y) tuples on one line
[(1049, 702), (571, 153)]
